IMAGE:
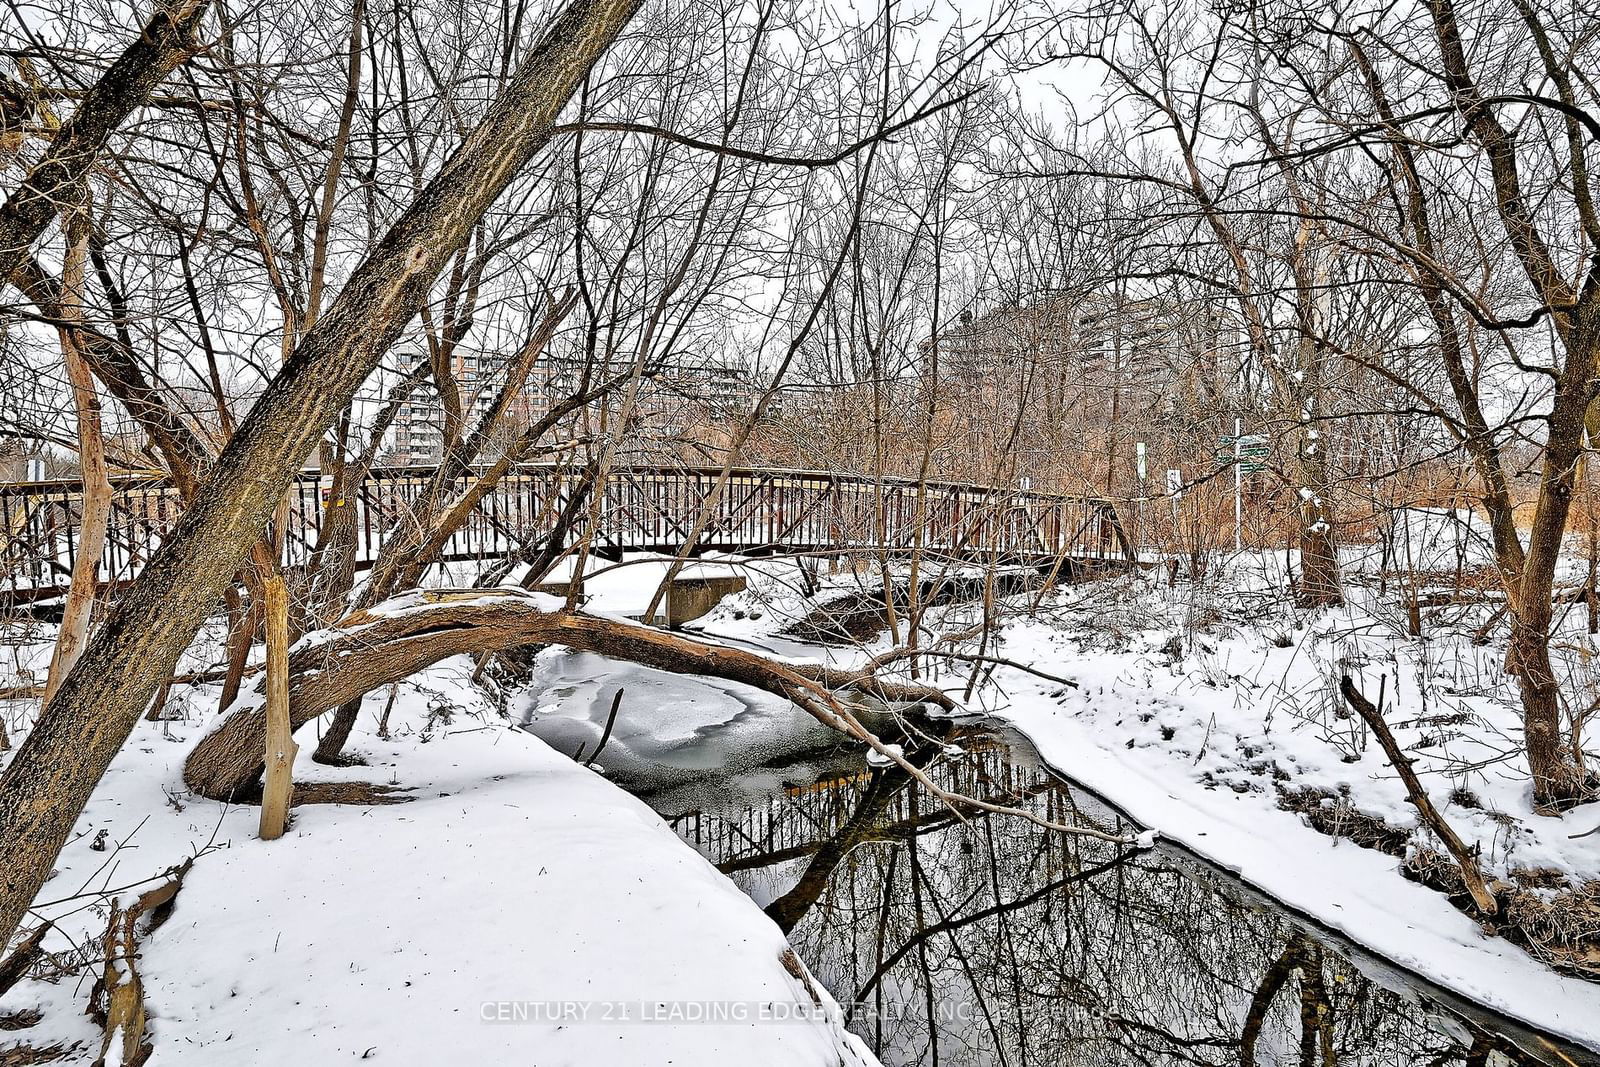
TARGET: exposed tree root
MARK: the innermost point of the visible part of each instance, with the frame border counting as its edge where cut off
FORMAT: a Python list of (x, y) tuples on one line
[(118, 996)]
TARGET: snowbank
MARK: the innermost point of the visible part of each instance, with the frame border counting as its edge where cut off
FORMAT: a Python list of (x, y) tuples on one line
[(669, 728), (1198, 747), (516, 911), (1427, 541)]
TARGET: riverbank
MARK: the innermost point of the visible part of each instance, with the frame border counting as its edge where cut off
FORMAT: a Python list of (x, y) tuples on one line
[(1209, 710), (1361, 893), (516, 910)]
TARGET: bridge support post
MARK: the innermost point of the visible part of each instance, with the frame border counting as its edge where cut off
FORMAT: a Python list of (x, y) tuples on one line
[(690, 598)]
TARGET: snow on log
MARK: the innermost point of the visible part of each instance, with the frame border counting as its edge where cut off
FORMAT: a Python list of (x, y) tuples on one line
[(399, 637)]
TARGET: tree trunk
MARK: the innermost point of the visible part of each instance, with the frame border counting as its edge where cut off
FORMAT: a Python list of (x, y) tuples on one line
[(56, 182), (1575, 318), (243, 615), (1418, 796), (1557, 779), (330, 750), (1320, 581), (47, 783), (92, 465), (332, 568)]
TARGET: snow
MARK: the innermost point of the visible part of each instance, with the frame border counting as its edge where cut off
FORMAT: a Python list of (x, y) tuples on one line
[(884, 759), (1194, 749), (1194, 746), (669, 728), (515, 911), (419, 600), (625, 587), (1430, 540)]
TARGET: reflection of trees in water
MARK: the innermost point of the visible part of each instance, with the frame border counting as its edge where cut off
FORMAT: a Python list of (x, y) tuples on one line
[(985, 939)]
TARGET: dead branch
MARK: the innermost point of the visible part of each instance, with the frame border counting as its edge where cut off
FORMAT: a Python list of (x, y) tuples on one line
[(120, 990), (1419, 797), (25, 955)]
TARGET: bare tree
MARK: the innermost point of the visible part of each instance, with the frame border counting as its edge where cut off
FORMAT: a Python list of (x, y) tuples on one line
[(106, 692)]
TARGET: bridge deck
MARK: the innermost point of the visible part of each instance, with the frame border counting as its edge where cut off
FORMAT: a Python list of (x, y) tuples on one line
[(763, 511)]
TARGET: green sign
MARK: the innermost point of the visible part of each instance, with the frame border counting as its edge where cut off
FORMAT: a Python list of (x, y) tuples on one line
[(1251, 450)]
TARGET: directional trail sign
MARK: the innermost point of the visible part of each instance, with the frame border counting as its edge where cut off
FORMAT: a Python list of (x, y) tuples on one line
[(1253, 450)]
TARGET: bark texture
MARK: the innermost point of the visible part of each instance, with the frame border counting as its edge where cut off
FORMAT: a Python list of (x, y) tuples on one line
[(47, 784), (167, 40), (280, 747), (96, 496)]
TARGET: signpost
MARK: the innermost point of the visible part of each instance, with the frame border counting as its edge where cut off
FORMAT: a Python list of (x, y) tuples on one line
[(1238, 479), (1138, 515), (1250, 453)]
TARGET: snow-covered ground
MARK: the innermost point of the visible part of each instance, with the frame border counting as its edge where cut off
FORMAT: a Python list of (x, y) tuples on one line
[(446, 930)]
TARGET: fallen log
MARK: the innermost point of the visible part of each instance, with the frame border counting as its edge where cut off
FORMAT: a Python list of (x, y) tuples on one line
[(394, 640)]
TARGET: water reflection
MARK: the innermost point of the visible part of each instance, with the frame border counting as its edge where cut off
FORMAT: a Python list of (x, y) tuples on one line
[(964, 938)]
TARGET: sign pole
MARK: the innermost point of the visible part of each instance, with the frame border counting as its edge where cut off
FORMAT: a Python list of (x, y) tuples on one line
[(1139, 452), (1238, 480)]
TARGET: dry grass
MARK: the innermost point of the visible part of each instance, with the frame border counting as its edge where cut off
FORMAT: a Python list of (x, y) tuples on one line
[(25, 1055), (1561, 923), (1540, 909), (1331, 813)]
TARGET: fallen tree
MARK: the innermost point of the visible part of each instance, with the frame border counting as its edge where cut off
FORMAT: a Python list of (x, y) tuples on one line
[(393, 640)]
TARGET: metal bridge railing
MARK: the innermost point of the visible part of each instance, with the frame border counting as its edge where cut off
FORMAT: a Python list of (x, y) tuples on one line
[(644, 508)]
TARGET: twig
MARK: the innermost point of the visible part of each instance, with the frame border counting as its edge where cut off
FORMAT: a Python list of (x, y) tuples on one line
[(605, 735)]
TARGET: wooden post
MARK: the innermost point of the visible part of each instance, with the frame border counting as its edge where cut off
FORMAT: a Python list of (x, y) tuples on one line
[(280, 740)]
